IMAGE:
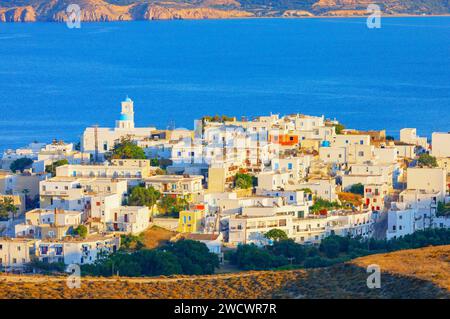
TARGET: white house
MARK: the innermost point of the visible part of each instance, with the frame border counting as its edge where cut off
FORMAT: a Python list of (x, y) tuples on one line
[(440, 144)]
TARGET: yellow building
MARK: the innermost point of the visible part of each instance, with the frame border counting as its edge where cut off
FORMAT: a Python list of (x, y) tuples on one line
[(191, 221)]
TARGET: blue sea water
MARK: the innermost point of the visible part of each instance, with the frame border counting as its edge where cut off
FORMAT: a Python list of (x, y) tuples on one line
[(55, 81)]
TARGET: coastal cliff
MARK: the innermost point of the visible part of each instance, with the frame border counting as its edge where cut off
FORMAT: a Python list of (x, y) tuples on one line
[(125, 10), (17, 14)]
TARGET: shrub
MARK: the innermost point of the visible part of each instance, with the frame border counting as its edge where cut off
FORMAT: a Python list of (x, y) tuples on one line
[(427, 160), (357, 189), (81, 231)]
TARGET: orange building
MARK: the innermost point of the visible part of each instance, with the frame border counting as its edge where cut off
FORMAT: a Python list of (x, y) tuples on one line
[(287, 139)]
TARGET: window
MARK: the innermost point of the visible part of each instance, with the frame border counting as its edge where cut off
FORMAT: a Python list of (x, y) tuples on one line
[(361, 154), (289, 165), (1, 247), (400, 227), (44, 250), (14, 261), (18, 248), (59, 250)]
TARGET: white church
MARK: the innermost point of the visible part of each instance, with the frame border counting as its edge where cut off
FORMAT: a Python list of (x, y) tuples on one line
[(99, 140)]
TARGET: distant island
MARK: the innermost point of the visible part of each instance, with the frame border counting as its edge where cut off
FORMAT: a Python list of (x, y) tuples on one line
[(128, 10)]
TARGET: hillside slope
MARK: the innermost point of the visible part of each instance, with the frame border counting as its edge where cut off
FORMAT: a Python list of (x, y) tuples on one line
[(117, 10), (419, 273)]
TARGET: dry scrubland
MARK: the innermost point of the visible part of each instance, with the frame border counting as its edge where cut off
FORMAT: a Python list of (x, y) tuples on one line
[(420, 273)]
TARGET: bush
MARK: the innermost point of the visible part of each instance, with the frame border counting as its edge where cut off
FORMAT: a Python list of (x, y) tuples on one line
[(357, 189), (47, 267), (81, 231), (289, 249), (323, 204), (52, 167), (194, 257), (333, 249), (317, 261), (427, 160), (251, 257), (131, 242)]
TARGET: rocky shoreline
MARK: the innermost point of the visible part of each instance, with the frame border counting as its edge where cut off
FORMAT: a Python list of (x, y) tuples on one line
[(101, 10)]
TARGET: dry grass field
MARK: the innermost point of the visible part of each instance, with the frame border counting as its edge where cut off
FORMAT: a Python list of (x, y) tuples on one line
[(420, 273), (156, 236)]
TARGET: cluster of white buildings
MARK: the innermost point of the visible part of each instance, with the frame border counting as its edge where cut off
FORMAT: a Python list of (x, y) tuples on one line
[(294, 162)]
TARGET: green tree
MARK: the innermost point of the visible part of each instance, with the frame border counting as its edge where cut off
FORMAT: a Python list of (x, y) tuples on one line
[(181, 257), (194, 257), (276, 234), (132, 242), (290, 249), (244, 181), (154, 162), (81, 231), (251, 257), (339, 128), (172, 205), (142, 196), (7, 207), (126, 149), (52, 167), (357, 189), (427, 160), (330, 247), (21, 164)]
